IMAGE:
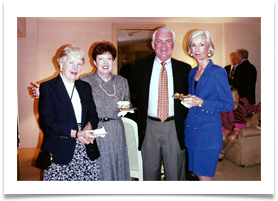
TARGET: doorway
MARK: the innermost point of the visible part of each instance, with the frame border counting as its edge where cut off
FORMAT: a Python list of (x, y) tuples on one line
[(133, 45), (133, 42)]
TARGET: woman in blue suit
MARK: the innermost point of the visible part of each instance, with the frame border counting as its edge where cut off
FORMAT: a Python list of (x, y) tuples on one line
[(66, 110), (210, 95)]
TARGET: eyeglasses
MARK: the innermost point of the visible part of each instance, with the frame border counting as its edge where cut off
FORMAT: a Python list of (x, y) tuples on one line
[(161, 42)]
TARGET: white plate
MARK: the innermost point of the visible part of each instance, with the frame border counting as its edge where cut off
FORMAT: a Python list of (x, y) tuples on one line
[(181, 97), (127, 109)]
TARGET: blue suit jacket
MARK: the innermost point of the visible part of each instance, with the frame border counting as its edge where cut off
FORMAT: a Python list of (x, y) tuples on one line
[(203, 126), (53, 104)]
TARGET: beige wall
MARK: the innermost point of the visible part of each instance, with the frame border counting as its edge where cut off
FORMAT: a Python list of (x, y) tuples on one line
[(27, 71), (44, 36), (247, 36)]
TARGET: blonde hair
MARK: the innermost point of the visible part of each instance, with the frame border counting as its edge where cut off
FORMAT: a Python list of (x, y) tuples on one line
[(73, 51), (197, 33)]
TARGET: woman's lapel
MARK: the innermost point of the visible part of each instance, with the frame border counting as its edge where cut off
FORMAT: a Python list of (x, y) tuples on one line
[(64, 96), (203, 79)]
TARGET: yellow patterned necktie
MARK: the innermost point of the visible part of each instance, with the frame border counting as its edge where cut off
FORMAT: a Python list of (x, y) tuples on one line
[(163, 100)]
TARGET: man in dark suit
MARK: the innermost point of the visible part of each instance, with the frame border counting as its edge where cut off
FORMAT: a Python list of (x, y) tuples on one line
[(245, 76), (161, 139), (231, 68)]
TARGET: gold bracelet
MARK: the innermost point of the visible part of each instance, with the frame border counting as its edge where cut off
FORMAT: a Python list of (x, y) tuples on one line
[(200, 105)]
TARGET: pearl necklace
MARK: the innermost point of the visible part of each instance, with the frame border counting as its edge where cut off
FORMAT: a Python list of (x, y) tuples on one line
[(108, 93)]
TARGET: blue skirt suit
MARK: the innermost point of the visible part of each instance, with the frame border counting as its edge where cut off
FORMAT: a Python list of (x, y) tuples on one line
[(203, 125)]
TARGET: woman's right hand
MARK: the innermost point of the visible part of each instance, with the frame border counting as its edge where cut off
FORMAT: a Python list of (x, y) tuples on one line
[(36, 90), (84, 138)]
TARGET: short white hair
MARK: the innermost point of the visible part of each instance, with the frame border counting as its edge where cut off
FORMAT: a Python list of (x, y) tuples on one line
[(165, 30), (197, 33), (71, 50)]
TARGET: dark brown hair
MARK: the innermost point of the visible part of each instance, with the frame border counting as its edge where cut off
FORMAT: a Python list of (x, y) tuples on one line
[(104, 47)]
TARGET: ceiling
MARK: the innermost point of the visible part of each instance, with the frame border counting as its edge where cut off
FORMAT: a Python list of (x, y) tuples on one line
[(126, 37), (241, 20)]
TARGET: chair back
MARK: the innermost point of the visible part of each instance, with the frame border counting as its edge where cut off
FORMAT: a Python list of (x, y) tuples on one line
[(134, 155)]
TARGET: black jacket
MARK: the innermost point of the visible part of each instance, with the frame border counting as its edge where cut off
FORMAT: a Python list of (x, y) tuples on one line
[(245, 81), (53, 105)]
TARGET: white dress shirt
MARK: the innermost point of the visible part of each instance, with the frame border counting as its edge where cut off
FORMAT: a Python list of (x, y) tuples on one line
[(76, 102), (153, 92)]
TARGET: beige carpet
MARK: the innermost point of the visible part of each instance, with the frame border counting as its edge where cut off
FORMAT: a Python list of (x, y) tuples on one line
[(226, 170)]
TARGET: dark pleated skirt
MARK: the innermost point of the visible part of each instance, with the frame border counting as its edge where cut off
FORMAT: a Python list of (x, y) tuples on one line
[(81, 168)]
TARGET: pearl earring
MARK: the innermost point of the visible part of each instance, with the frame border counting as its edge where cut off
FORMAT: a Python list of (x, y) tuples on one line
[(61, 69), (208, 54), (191, 54)]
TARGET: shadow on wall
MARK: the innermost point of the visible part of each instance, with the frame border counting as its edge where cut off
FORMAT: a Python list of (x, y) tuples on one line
[(91, 58), (184, 42)]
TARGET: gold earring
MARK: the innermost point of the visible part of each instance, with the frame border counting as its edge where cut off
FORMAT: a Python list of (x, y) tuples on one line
[(61, 69)]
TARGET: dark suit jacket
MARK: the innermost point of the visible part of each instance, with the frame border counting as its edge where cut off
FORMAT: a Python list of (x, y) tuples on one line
[(245, 80), (228, 70), (203, 126), (139, 84), (53, 104)]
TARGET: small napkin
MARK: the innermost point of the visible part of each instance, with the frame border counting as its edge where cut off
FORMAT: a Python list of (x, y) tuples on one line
[(97, 132), (185, 104), (258, 127)]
